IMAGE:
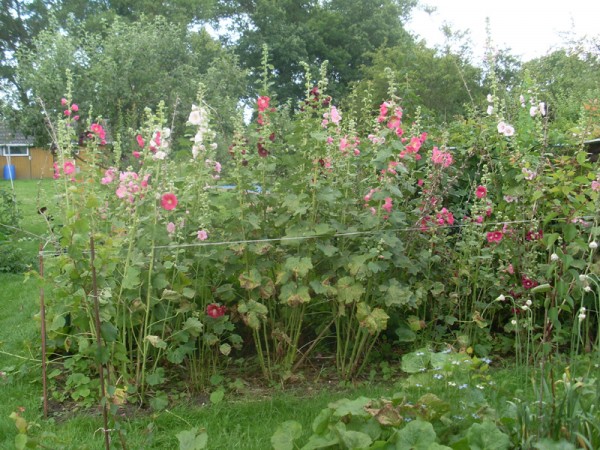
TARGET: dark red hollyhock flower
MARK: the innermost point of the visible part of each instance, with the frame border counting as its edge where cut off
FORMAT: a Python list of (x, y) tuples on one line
[(215, 311), (272, 137), (528, 283), (262, 151)]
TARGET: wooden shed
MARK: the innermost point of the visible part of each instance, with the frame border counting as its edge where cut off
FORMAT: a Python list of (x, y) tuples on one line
[(20, 159)]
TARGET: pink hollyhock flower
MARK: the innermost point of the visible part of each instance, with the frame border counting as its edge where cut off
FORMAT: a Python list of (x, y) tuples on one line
[(479, 219), (441, 158), (170, 228), (74, 107), (420, 182), (329, 140), (387, 205), (136, 154), (263, 103), (168, 201), (121, 191), (595, 186), (68, 167), (202, 235), (335, 115), (481, 191), (140, 140), (494, 236), (215, 311), (63, 101), (510, 269), (67, 112)]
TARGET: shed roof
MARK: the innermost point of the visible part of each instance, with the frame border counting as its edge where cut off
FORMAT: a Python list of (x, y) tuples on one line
[(593, 141), (8, 136)]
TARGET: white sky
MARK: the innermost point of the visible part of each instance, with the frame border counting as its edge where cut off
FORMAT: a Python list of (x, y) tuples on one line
[(529, 27)]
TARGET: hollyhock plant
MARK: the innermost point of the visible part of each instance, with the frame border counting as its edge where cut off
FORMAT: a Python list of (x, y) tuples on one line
[(168, 201)]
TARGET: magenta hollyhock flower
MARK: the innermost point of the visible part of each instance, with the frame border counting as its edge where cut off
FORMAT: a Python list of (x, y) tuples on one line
[(140, 140), (67, 112), (68, 167), (75, 117), (136, 154), (481, 191), (168, 201), (263, 102), (63, 101), (202, 235), (74, 107), (215, 311)]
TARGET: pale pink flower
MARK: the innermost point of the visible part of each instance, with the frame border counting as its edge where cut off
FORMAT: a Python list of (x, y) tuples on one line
[(490, 110), (542, 107), (170, 228), (595, 185), (533, 111), (202, 235), (335, 115)]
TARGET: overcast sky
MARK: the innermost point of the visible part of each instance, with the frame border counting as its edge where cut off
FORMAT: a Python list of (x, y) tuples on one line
[(529, 27)]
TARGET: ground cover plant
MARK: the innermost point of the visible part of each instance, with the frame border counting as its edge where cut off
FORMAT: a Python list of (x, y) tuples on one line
[(381, 247)]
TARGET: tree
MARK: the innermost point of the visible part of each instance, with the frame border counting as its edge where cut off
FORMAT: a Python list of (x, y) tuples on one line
[(343, 32), (125, 68)]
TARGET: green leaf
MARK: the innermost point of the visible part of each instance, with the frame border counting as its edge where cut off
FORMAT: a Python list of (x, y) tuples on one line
[(355, 408), (318, 442), (217, 396), (193, 439), (159, 402), (193, 326), (20, 441), (131, 279), (349, 291), (250, 280), (487, 436), (417, 361), (109, 332), (285, 435), (298, 266), (321, 422), (416, 435), (354, 439), (225, 349)]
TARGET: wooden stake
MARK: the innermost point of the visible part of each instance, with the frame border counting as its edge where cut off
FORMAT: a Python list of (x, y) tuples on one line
[(99, 343), (43, 331)]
